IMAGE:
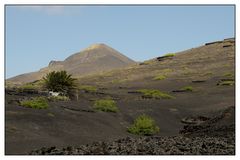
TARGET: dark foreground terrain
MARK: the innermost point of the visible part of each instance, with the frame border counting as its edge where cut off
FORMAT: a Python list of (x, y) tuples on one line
[(211, 137), (201, 121)]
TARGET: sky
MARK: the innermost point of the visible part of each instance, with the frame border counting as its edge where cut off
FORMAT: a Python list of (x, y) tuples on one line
[(35, 35)]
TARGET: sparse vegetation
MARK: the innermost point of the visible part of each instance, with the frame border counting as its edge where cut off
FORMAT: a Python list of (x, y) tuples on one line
[(228, 74), (159, 77), (226, 83), (169, 55), (144, 125), (187, 72), (88, 88), (9, 84), (36, 85), (187, 88), (106, 105), (207, 74), (148, 93), (50, 115), (167, 70), (37, 103), (58, 98), (227, 65), (59, 81)]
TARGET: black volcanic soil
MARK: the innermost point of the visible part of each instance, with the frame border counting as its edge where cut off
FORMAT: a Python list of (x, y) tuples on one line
[(189, 123)]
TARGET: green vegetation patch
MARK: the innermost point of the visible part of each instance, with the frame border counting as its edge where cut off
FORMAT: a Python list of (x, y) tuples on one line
[(37, 103), (58, 98), (148, 93), (144, 125), (228, 74), (170, 55), (167, 70), (36, 85), (187, 88), (226, 83), (105, 105), (207, 74), (51, 115), (159, 77), (88, 88)]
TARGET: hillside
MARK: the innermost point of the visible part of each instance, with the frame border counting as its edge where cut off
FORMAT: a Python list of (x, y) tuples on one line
[(193, 104), (96, 58), (211, 60)]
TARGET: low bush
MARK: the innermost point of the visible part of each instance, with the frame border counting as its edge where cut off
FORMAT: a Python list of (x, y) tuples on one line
[(228, 75), (226, 83), (118, 81), (36, 85), (37, 103), (167, 70), (170, 55), (159, 77), (187, 88), (88, 88), (106, 105), (143, 125), (51, 115), (147, 93), (207, 74)]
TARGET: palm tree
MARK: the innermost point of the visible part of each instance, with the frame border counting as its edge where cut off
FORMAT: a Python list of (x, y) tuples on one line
[(59, 81)]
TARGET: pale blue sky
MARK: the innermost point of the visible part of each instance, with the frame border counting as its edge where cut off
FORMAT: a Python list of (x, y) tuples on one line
[(37, 35)]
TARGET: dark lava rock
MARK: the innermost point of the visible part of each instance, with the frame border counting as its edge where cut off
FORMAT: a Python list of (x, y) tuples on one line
[(227, 46), (214, 126), (198, 81), (164, 58), (175, 145)]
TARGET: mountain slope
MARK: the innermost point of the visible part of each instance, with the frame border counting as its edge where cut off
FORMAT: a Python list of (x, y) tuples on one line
[(213, 59), (96, 58)]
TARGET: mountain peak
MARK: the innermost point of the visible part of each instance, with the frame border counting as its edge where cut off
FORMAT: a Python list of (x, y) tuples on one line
[(93, 59), (97, 46)]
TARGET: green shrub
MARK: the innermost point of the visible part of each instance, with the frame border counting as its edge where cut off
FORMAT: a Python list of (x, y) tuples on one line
[(187, 88), (59, 98), (51, 115), (159, 77), (88, 88), (228, 74), (170, 55), (26, 87), (37, 103), (59, 81), (226, 83), (207, 74), (36, 85), (167, 70), (155, 94), (144, 125), (106, 105)]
